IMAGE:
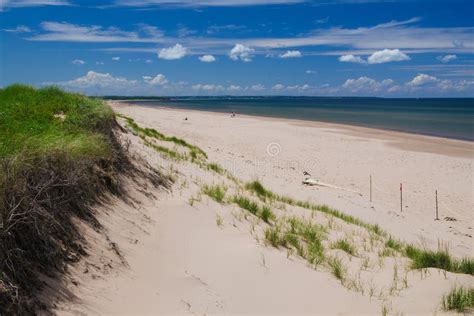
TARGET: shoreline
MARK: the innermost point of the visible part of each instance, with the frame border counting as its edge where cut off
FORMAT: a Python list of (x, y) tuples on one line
[(423, 142), (470, 140)]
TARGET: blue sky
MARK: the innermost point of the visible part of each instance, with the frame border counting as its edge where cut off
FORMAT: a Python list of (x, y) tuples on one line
[(241, 47)]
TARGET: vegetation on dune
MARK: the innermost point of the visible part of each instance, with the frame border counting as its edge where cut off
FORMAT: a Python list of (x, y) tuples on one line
[(38, 122), (58, 156), (195, 151), (216, 192), (441, 259), (459, 299)]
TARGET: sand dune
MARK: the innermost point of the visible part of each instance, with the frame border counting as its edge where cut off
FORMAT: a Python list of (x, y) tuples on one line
[(186, 253)]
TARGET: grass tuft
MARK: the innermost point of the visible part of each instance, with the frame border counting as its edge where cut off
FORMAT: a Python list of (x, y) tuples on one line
[(246, 204), (345, 245), (440, 259), (215, 192), (337, 268), (459, 299)]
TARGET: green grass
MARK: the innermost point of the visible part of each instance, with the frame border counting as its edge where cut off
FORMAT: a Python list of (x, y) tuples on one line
[(28, 126), (393, 244), (257, 188), (150, 132), (246, 204), (344, 245), (215, 167), (216, 192), (459, 299), (58, 157), (440, 259), (337, 268), (273, 236), (266, 214)]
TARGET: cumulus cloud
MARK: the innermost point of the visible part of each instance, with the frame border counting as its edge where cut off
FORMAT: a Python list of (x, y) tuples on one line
[(257, 87), (207, 58), (116, 58), (386, 56), (172, 53), (447, 58), (291, 54), (234, 88), (278, 87), (78, 62), (242, 52), (18, 29), (421, 80), (159, 80), (95, 81), (366, 84), (351, 59), (208, 87)]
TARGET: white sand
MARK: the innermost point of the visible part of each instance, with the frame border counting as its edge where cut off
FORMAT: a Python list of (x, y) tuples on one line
[(181, 261), (345, 157)]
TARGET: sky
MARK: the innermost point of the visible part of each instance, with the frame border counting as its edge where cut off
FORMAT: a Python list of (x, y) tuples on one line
[(383, 48)]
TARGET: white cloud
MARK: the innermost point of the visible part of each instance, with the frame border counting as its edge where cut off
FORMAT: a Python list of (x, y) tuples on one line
[(67, 32), (99, 63), (257, 87), (278, 87), (311, 72), (97, 82), (291, 54), (78, 62), (148, 61), (207, 58), (386, 56), (421, 80), (234, 88), (159, 79), (351, 59), (447, 58), (204, 3), (19, 29), (241, 52), (116, 58), (31, 3), (208, 87), (152, 31), (172, 53), (366, 84)]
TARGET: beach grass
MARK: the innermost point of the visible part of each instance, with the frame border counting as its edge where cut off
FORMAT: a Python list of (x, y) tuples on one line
[(344, 245), (246, 204), (216, 192), (41, 121), (337, 268), (195, 151), (58, 156), (441, 259), (459, 299)]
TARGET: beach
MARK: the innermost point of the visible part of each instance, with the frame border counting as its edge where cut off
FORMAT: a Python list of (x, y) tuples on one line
[(188, 254), (277, 151)]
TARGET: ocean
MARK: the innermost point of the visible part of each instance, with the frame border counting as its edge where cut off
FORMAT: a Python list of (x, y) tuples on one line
[(449, 118)]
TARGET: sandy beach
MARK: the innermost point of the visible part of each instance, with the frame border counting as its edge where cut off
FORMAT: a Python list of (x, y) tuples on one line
[(188, 254)]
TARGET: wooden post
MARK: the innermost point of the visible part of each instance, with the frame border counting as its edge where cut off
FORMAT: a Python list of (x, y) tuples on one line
[(401, 198), (436, 193), (370, 188)]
